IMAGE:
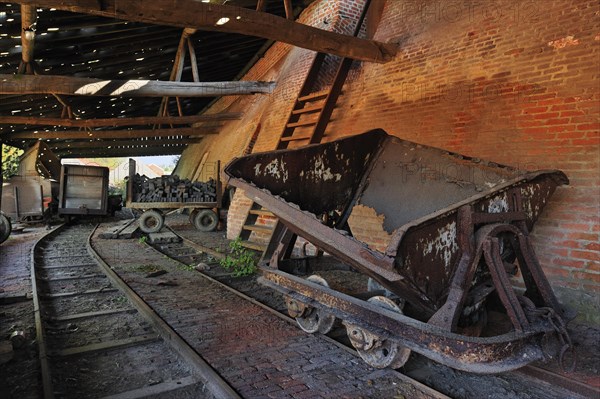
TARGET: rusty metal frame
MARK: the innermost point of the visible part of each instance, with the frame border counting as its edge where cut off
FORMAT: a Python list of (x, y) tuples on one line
[(477, 259), (478, 355)]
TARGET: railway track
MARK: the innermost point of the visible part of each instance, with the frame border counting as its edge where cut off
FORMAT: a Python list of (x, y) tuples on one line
[(252, 348), (98, 339), (545, 383)]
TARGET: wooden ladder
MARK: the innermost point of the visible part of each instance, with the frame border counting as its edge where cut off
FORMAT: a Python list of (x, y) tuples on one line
[(306, 123), (313, 109), (250, 226)]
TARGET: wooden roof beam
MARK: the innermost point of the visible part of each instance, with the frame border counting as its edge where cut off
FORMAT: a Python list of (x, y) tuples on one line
[(65, 85), (108, 122), (121, 152), (60, 145), (223, 18), (106, 134)]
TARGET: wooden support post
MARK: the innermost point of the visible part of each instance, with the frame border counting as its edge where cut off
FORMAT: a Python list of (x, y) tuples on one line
[(28, 19), (193, 60), (177, 70)]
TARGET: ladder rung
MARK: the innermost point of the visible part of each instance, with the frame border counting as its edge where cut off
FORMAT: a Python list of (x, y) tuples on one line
[(260, 212), (295, 138), (256, 227), (253, 245), (298, 124), (307, 110), (313, 96)]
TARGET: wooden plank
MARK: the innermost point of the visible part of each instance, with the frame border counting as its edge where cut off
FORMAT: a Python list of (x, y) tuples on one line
[(304, 123), (66, 266), (313, 96), (128, 231), (14, 298), (104, 346), (88, 292), (117, 122), (259, 228), (253, 245), (307, 110), (157, 390), (73, 277), (122, 152), (173, 205), (67, 85), (261, 212), (224, 18), (86, 315), (108, 134), (122, 143)]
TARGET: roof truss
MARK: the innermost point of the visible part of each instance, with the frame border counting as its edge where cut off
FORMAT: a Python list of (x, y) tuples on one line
[(213, 17)]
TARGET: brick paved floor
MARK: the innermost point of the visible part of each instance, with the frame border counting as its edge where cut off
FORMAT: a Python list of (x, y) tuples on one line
[(259, 354)]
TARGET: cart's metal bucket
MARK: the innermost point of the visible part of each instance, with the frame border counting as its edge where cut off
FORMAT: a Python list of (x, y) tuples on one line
[(454, 225)]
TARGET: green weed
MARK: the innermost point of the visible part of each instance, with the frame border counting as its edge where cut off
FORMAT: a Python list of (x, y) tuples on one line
[(241, 261)]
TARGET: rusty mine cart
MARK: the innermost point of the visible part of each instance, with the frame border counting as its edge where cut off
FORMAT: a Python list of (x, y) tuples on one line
[(458, 281), (204, 215)]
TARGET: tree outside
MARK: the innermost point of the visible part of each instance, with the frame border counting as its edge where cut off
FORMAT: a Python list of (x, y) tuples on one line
[(10, 160)]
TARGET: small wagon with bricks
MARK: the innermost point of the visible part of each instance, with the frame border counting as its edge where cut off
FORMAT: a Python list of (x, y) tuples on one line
[(202, 199), (457, 279)]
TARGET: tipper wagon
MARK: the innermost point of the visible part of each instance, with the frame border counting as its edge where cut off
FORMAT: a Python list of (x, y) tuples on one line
[(457, 281)]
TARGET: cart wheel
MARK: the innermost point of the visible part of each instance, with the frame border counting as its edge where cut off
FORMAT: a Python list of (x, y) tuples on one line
[(205, 219), (192, 216), (151, 221), (5, 228), (310, 319), (376, 351)]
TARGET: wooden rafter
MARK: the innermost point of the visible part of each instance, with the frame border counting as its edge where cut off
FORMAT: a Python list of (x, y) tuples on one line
[(122, 143), (223, 18), (106, 122), (52, 84), (106, 134), (177, 70), (261, 5), (122, 152), (289, 11)]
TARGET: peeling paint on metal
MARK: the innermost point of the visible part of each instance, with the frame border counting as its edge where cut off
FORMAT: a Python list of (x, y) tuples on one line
[(498, 204), (321, 172), (444, 244), (277, 168)]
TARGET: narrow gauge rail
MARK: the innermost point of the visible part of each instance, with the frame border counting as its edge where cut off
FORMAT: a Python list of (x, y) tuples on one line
[(551, 384), (93, 339), (254, 350)]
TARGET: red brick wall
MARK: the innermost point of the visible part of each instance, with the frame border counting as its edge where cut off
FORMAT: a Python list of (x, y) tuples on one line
[(514, 82)]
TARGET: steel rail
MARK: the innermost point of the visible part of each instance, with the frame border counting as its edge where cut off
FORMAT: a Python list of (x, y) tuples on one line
[(39, 327), (404, 378), (212, 380)]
